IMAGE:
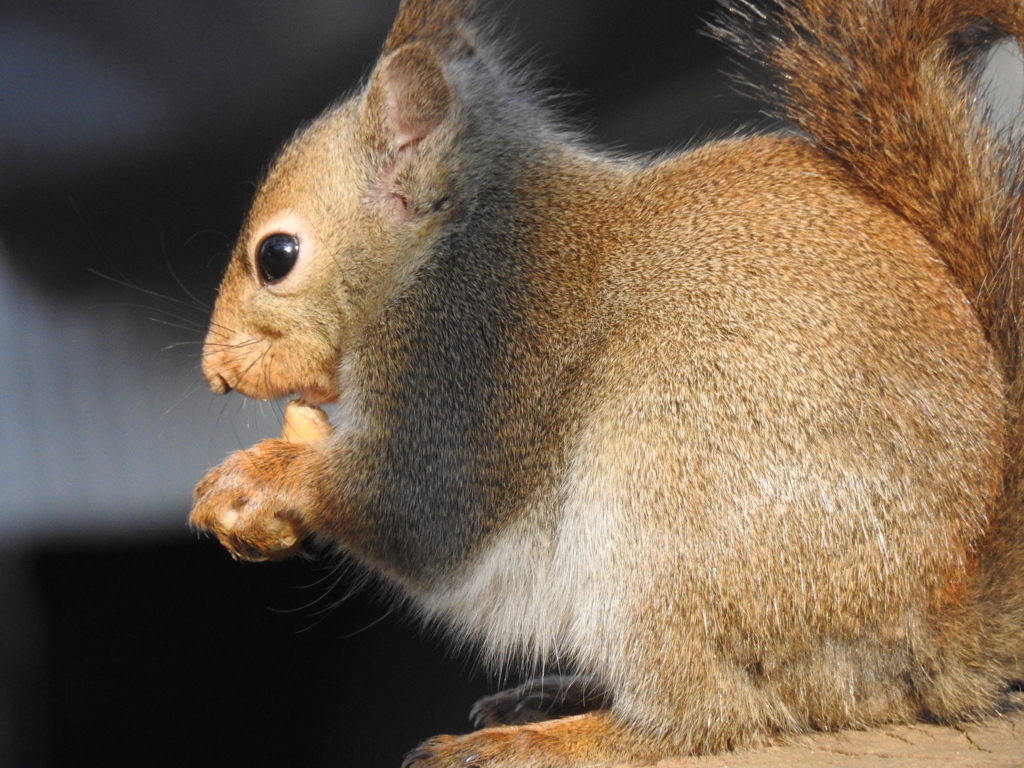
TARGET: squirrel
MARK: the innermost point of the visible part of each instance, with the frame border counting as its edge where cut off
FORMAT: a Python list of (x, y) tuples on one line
[(732, 436)]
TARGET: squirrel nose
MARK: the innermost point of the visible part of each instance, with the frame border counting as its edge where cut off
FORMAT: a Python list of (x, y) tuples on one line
[(218, 384)]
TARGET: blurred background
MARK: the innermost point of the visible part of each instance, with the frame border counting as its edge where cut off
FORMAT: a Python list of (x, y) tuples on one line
[(131, 136)]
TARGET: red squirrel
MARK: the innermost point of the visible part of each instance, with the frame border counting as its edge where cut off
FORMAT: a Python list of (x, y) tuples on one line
[(734, 434)]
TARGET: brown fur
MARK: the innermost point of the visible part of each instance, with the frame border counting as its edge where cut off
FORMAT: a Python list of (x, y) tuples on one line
[(736, 434)]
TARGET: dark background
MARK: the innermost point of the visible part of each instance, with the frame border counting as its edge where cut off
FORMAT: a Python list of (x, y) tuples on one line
[(130, 137)]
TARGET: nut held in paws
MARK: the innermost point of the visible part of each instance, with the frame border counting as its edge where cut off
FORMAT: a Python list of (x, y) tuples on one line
[(304, 423)]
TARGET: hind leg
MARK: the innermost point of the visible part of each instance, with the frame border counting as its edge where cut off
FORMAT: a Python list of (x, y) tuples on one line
[(544, 698), (567, 742)]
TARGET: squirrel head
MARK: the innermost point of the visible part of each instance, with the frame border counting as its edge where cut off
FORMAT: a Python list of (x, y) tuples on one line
[(352, 206)]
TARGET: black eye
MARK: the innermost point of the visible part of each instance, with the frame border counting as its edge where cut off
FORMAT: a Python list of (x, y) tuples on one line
[(276, 256)]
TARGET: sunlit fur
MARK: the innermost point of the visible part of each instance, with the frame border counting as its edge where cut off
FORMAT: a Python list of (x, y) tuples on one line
[(736, 431)]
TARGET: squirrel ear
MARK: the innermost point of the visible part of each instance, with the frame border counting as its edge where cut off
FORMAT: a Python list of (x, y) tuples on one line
[(436, 21), (407, 99)]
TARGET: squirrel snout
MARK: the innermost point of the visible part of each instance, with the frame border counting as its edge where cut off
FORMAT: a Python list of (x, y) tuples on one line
[(218, 383)]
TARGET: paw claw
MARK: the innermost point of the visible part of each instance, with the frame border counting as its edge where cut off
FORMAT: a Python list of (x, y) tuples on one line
[(415, 759), (426, 753)]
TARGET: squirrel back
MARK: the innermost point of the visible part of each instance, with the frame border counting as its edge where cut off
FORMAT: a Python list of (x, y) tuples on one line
[(906, 123), (734, 434)]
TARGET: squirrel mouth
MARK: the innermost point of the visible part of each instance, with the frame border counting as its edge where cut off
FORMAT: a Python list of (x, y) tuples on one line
[(315, 395)]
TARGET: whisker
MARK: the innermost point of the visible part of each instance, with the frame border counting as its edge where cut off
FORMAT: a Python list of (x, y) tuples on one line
[(215, 347), (192, 387), (125, 283), (178, 281), (181, 325), (179, 344)]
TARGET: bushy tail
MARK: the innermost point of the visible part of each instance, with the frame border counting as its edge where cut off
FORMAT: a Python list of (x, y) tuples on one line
[(885, 86)]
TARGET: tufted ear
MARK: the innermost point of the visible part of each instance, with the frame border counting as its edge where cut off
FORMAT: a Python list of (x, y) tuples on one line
[(408, 97), (433, 21)]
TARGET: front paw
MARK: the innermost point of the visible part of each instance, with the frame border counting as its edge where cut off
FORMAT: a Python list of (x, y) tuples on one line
[(250, 503)]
